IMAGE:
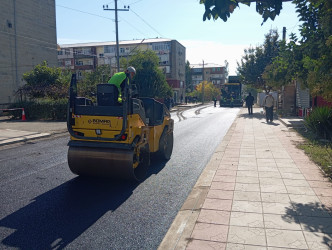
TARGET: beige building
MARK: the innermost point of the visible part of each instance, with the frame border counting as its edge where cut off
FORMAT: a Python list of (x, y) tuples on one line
[(213, 73), (27, 38), (87, 56)]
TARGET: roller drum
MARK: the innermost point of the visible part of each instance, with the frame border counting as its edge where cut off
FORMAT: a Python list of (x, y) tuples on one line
[(104, 162)]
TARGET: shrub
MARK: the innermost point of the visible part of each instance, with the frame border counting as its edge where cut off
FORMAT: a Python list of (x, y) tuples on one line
[(319, 122), (43, 109)]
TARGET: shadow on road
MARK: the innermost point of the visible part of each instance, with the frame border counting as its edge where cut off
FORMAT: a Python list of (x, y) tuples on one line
[(56, 218)]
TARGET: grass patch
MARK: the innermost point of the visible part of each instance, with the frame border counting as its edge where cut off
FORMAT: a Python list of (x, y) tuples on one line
[(319, 151)]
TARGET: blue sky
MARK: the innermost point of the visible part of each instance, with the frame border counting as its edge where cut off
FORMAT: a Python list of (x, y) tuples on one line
[(211, 41)]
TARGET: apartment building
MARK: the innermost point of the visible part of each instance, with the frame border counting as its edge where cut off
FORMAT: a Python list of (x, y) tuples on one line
[(214, 73), (27, 38), (87, 56)]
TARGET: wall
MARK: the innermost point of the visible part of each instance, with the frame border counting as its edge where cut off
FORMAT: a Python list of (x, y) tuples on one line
[(27, 38)]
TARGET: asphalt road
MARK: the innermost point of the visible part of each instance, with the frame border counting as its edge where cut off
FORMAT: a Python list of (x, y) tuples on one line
[(44, 206)]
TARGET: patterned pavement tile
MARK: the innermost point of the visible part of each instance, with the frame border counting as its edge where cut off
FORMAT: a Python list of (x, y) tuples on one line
[(293, 176), (287, 222), (216, 204), (268, 169), (269, 174), (278, 208), (274, 197), (246, 235), (316, 224), (247, 206), (210, 232), (316, 209), (285, 239), (247, 219), (252, 180), (224, 178), (318, 241), (300, 190), (223, 185), (321, 184), (271, 181), (280, 189), (242, 167), (326, 192), (217, 194), (296, 183), (226, 172), (214, 216), (247, 187), (232, 246), (206, 245), (246, 196), (244, 173), (302, 198), (289, 170)]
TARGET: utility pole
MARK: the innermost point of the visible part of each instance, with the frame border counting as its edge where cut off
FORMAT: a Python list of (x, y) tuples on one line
[(203, 84), (284, 33), (116, 28)]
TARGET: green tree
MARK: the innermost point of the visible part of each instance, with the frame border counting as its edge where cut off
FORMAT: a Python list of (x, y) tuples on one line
[(255, 60), (223, 8), (46, 82), (189, 83), (310, 58), (90, 80), (149, 79)]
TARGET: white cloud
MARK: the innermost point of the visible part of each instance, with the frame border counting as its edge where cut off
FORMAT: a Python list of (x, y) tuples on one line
[(213, 52)]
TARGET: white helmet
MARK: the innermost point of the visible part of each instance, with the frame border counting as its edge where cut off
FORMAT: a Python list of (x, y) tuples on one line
[(131, 69)]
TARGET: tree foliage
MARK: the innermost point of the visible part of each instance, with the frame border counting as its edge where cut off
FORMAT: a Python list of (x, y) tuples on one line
[(149, 79), (255, 60), (222, 9), (308, 59), (88, 84), (189, 83), (46, 82), (210, 91)]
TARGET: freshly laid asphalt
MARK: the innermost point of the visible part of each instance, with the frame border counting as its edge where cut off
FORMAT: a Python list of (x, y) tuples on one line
[(259, 191)]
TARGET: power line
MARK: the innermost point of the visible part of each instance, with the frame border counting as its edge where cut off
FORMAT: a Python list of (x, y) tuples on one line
[(85, 12), (144, 20)]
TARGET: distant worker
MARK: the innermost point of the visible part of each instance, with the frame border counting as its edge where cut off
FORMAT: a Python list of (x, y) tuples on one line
[(268, 103), (215, 101), (121, 79), (249, 102)]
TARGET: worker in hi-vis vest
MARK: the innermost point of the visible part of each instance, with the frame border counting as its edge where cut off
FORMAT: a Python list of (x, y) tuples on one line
[(122, 78)]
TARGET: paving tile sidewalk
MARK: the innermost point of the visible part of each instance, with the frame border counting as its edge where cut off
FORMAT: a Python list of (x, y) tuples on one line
[(257, 192)]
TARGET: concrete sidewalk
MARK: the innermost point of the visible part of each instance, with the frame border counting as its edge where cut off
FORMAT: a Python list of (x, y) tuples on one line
[(13, 131), (257, 192)]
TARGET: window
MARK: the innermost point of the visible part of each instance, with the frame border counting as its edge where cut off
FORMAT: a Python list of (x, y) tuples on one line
[(122, 50), (79, 63), (67, 51), (101, 55), (109, 49), (60, 52), (68, 63), (160, 46)]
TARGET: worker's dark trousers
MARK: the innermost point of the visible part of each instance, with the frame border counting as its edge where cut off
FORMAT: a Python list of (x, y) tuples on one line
[(250, 109), (269, 113)]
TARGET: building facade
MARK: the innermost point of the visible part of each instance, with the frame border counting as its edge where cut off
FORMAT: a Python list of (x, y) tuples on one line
[(215, 74), (27, 38), (87, 56)]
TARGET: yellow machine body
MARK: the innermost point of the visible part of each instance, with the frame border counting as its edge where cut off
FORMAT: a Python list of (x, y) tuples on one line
[(116, 141)]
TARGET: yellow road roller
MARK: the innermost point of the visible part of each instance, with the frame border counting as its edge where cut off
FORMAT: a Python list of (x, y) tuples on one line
[(109, 139)]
